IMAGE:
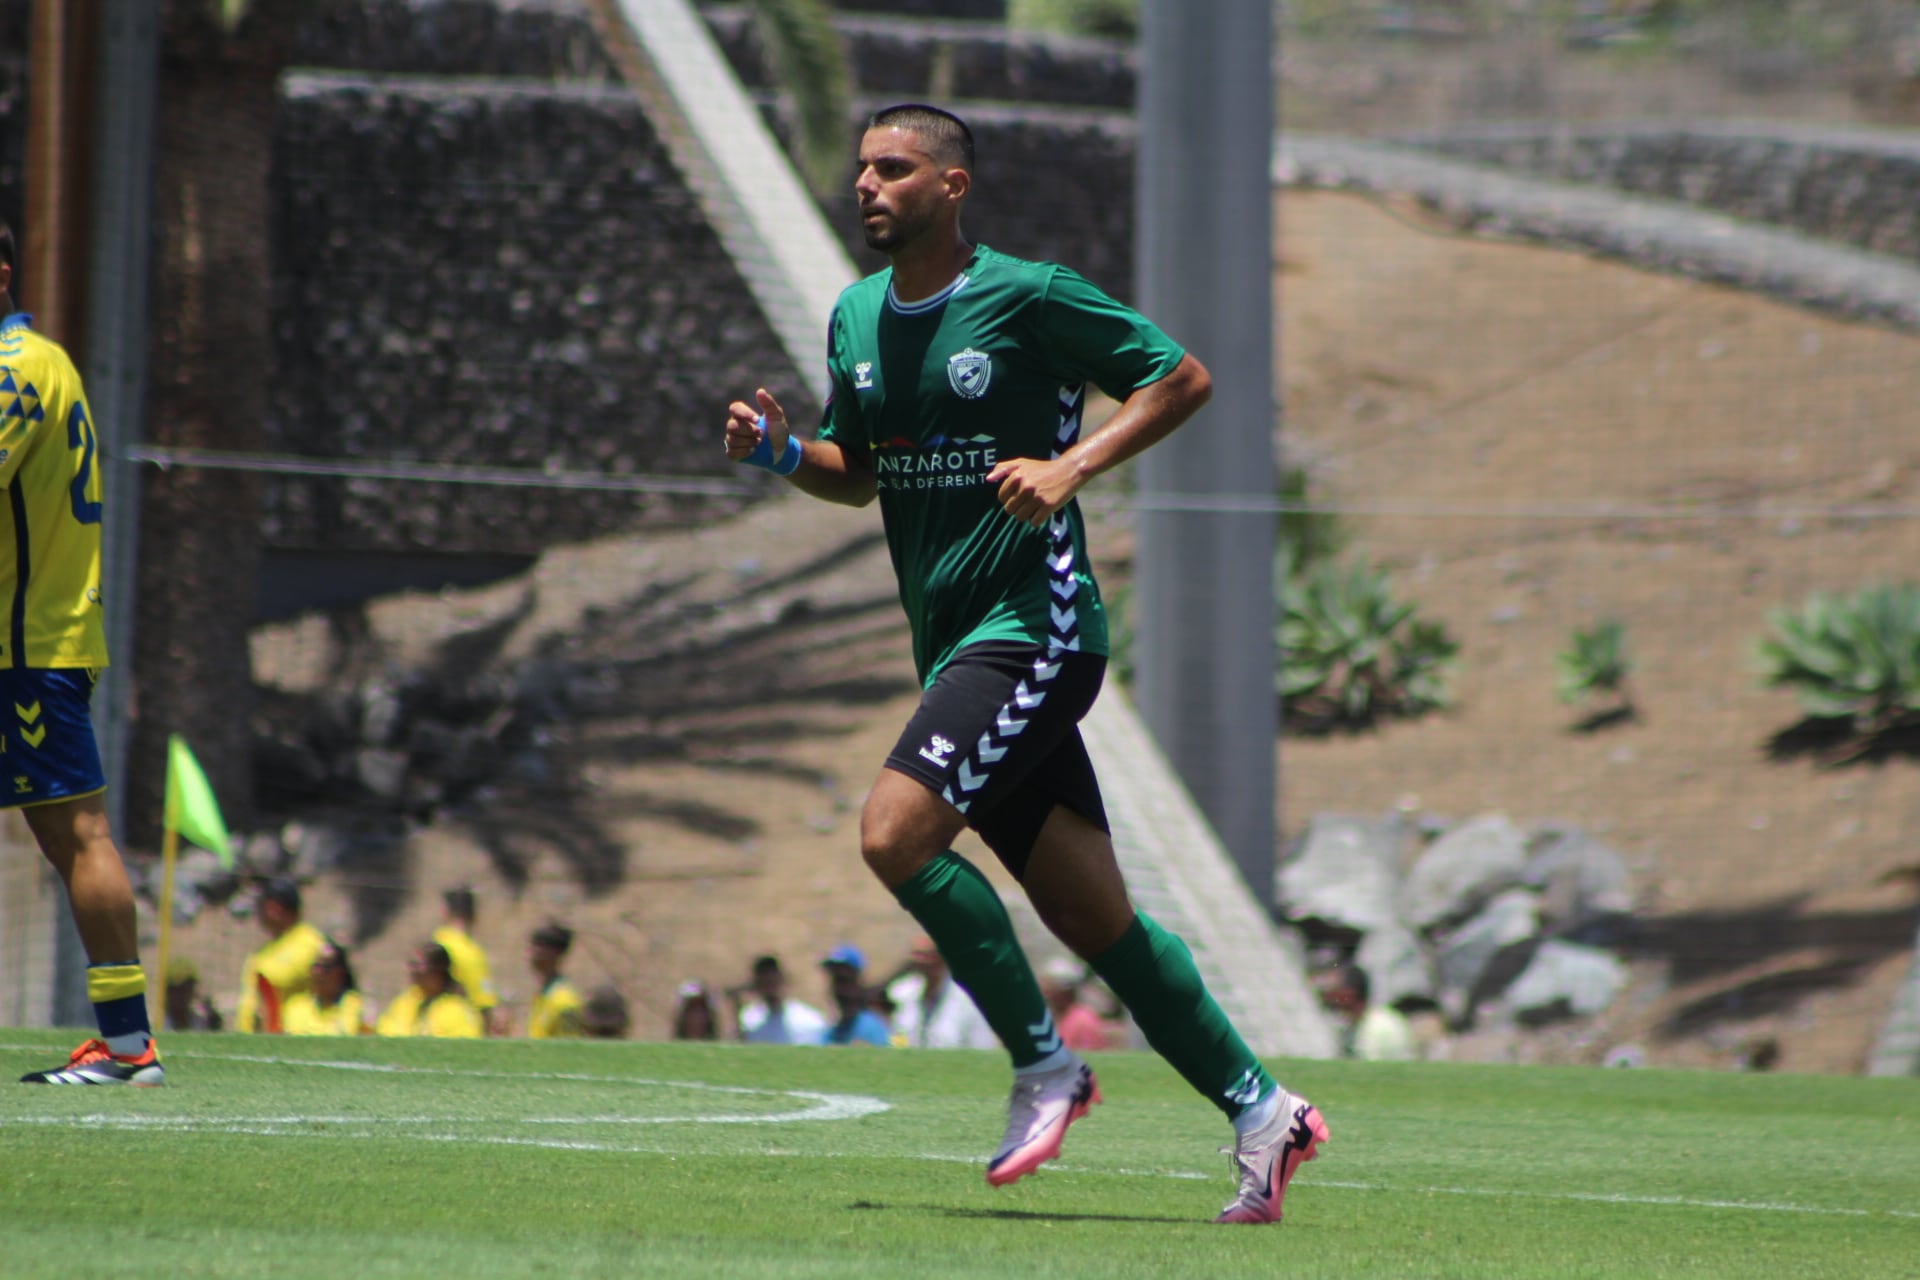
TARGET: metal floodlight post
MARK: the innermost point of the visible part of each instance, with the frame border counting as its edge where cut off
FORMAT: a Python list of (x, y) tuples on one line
[(125, 63), (1204, 266)]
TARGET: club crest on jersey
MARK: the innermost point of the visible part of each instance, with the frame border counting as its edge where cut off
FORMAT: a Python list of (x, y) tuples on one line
[(969, 371)]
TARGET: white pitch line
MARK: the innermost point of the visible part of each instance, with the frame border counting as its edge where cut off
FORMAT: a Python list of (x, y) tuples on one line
[(1606, 1197), (827, 1106)]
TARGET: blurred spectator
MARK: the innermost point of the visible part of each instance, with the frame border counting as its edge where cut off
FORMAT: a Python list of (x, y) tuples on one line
[(556, 1010), (771, 1018), (1374, 1032), (187, 1009), (604, 1015), (281, 967), (332, 1004), (931, 1011), (695, 1017), (470, 967), (1080, 1027), (434, 1005), (857, 1023)]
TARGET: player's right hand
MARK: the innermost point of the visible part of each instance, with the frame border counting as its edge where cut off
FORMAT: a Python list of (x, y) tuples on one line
[(743, 425)]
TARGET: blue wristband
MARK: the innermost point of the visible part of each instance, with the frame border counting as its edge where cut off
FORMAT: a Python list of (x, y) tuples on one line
[(762, 456)]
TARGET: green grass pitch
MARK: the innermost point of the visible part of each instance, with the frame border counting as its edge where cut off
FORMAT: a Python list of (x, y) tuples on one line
[(268, 1157)]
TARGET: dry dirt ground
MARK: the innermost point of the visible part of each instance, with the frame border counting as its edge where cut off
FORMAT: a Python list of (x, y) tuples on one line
[(1495, 421)]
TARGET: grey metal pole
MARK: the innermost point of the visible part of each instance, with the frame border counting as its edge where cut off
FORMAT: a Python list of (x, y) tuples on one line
[(1204, 263), (119, 271)]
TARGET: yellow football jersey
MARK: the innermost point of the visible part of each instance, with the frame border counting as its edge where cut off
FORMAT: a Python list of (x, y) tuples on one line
[(50, 471), (447, 1014), (284, 966), (303, 1015), (469, 965), (555, 1012)]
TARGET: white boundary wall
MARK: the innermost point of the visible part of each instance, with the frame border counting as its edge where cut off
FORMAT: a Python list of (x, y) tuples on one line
[(30, 903)]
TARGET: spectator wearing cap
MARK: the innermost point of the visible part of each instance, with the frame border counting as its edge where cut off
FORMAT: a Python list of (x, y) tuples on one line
[(283, 965), (931, 1010), (434, 1005), (1080, 1028), (858, 1023), (556, 1010), (769, 1017), (332, 1004), (187, 1009), (694, 1016), (470, 968)]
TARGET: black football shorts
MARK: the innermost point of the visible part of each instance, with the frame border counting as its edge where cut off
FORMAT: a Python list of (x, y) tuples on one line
[(997, 736)]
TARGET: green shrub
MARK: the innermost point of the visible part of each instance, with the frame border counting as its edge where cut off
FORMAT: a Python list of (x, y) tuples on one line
[(1117, 19), (1595, 664), (1350, 654), (1308, 535), (1854, 658)]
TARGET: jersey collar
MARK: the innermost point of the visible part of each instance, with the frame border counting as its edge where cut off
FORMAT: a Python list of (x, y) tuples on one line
[(932, 302), (18, 320)]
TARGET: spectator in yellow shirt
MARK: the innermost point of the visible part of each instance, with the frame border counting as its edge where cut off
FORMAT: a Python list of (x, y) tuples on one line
[(470, 968), (284, 965), (434, 1005), (556, 1010), (332, 1005)]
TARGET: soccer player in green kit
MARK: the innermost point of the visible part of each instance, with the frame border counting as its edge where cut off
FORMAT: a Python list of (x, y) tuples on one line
[(958, 377)]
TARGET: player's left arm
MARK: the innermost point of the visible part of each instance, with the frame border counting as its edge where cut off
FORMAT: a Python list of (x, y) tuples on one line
[(1032, 489)]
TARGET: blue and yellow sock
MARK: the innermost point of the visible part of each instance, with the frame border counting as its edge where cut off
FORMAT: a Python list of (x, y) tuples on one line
[(119, 994)]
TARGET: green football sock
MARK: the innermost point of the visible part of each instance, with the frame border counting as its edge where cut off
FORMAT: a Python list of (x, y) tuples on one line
[(1153, 973), (964, 916)]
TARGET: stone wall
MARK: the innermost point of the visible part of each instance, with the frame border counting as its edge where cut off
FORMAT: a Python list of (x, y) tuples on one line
[(14, 15), (937, 62), (1657, 235), (1855, 186), (483, 257), (494, 273)]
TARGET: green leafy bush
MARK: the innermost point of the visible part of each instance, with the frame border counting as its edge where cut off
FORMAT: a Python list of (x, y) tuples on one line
[(1854, 658), (1118, 19), (1595, 664), (1350, 654), (1308, 535)]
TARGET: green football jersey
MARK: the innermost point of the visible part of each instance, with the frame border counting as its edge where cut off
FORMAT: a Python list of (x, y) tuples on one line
[(932, 394)]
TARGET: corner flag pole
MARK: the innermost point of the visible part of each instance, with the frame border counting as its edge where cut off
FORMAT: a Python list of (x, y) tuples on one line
[(169, 854), (192, 812)]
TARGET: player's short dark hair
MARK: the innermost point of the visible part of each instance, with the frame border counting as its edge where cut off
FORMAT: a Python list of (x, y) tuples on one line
[(945, 134), (766, 965), (334, 953), (283, 890), (459, 900), (555, 937), (435, 957)]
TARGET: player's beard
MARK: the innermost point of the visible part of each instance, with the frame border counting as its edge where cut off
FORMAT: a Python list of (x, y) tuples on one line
[(901, 228)]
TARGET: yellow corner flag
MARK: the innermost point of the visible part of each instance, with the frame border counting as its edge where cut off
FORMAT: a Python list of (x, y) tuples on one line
[(191, 809)]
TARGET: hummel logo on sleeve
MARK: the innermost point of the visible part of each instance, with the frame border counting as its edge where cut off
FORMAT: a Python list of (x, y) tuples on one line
[(938, 750)]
